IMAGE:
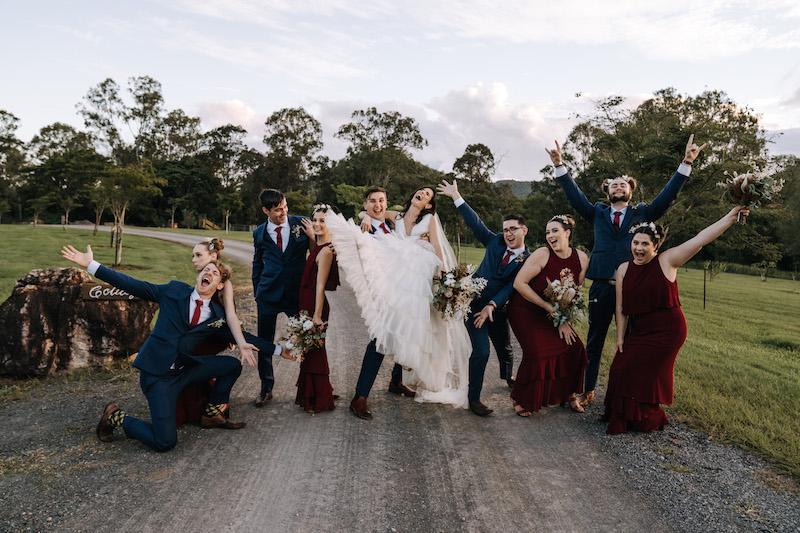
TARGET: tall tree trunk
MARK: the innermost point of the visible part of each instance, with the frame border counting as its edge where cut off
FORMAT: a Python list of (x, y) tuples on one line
[(118, 250)]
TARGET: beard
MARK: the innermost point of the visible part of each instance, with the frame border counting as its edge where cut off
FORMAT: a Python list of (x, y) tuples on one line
[(620, 197)]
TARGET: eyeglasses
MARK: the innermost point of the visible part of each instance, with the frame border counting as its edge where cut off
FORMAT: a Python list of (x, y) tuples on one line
[(512, 229)]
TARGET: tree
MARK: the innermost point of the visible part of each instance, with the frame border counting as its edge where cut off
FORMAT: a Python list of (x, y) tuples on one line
[(228, 203), (176, 136), (295, 135), (56, 139), (189, 186), (476, 166), (12, 159), (124, 185), (66, 178), (373, 131), (38, 205), (109, 118), (222, 153)]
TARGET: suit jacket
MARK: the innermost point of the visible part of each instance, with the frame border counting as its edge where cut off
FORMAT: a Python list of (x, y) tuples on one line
[(172, 338), (611, 247), (276, 274), (500, 280)]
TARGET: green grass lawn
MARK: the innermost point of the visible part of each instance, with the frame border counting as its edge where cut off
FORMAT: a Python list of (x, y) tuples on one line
[(737, 377), (246, 236)]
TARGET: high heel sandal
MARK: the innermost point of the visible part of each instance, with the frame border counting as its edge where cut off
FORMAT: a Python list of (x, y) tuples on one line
[(520, 410), (586, 398), (575, 405)]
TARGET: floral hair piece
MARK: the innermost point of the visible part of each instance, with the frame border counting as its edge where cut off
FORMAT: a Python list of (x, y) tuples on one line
[(637, 228), (320, 207), (566, 220)]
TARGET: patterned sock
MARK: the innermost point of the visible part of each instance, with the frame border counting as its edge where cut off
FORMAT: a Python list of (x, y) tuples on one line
[(116, 418), (213, 410)]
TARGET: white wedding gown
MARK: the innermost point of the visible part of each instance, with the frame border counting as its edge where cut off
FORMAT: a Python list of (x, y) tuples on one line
[(391, 276)]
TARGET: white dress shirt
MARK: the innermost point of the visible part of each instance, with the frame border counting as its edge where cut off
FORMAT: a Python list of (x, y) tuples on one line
[(284, 233)]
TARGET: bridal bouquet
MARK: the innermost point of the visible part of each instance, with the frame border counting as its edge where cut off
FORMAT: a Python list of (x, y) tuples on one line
[(566, 297), (455, 290), (750, 189), (302, 334)]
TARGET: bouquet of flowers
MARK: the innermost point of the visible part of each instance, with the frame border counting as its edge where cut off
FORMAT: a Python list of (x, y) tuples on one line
[(750, 189), (302, 334), (455, 290), (566, 297)]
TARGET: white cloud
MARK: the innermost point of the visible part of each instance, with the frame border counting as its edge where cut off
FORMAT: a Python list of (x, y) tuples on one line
[(236, 112)]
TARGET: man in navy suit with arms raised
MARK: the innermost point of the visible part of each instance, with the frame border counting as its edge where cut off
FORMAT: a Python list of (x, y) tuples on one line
[(186, 316), (279, 259), (505, 253), (612, 242)]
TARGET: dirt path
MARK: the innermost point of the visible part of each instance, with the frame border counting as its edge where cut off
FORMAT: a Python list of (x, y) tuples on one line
[(413, 468)]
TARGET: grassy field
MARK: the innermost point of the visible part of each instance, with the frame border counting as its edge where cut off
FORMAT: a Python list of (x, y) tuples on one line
[(245, 236), (737, 377)]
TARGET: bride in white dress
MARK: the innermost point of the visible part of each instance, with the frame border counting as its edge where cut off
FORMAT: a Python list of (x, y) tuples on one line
[(392, 276)]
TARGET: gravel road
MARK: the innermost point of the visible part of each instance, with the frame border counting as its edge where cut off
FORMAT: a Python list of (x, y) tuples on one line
[(413, 468)]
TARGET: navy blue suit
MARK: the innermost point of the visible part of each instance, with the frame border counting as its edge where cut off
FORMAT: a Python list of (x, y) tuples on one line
[(499, 288), (611, 249), (171, 342), (276, 285), (372, 364)]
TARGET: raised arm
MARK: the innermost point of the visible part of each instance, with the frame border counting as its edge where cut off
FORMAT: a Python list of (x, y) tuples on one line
[(136, 287), (670, 192), (675, 257), (309, 231), (574, 194), (479, 229)]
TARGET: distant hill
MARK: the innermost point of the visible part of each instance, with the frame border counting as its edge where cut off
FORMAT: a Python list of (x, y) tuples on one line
[(521, 189)]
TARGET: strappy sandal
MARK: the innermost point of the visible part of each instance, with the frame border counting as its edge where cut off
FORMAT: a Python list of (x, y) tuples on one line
[(586, 398), (575, 405), (520, 410)]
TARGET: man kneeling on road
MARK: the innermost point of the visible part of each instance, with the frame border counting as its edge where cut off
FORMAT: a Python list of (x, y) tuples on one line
[(186, 315)]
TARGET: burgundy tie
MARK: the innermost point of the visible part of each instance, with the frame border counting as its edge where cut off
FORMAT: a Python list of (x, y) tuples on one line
[(616, 220), (384, 228), (279, 239), (507, 258), (196, 315)]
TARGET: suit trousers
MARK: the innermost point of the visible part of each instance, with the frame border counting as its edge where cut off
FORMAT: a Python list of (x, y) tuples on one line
[(266, 331), (162, 395), (370, 367), (602, 306), (498, 332)]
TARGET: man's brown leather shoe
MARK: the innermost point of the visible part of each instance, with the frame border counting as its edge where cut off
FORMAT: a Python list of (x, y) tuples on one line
[(221, 422), (105, 430), (360, 409), (263, 399), (401, 388), (479, 409)]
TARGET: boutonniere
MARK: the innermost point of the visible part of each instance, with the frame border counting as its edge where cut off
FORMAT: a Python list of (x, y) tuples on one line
[(521, 258), (217, 323), (296, 231)]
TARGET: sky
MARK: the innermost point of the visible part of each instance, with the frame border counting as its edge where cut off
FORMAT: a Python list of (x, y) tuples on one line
[(505, 74)]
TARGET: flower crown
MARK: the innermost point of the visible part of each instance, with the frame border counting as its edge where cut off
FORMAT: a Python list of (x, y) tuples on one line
[(637, 228), (210, 244), (320, 207), (564, 219)]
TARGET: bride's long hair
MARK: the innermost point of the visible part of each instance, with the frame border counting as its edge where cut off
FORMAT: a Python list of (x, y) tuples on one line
[(429, 210)]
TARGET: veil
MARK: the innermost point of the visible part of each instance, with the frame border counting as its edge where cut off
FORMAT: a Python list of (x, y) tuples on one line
[(450, 260)]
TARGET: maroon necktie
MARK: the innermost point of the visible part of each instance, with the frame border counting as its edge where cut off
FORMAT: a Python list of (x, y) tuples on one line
[(279, 239), (384, 228), (196, 315), (507, 258), (616, 220)]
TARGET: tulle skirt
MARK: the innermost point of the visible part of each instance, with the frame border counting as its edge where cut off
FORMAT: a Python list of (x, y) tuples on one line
[(392, 281)]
